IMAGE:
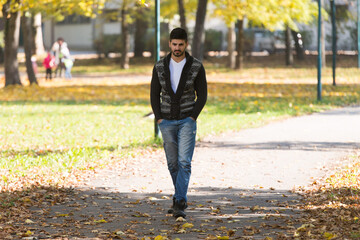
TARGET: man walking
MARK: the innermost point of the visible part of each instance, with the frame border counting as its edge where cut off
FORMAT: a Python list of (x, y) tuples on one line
[(178, 94)]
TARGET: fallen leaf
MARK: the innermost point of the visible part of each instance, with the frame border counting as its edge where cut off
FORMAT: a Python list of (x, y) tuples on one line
[(180, 219), (223, 238), (328, 235), (28, 221), (100, 221), (187, 225)]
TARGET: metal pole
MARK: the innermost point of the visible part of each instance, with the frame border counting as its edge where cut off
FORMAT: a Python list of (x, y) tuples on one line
[(319, 63), (157, 49), (358, 31), (334, 50)]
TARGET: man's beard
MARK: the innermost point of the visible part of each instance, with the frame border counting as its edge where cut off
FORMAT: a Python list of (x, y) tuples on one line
[(178, 53)]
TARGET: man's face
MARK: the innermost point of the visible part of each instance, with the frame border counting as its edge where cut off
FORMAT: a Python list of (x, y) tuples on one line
[(177, 47)]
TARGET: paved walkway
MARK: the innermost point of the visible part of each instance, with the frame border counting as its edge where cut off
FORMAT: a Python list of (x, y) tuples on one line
[(241, 182)]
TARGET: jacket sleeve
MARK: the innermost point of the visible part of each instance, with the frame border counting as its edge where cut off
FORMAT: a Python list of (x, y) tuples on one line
[(201, 92), (155, 90)]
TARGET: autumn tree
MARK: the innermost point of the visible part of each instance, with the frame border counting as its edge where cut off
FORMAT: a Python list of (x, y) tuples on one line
[(198, 36), (38, 41), (274, 14), (296, 11), (143, 16), (125, 35), (182, 14), (12, 11), (28, 37), (185, 9), (11, 39)]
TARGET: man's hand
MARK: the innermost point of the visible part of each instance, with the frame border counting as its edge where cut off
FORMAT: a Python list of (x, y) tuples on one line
[(159, 121)]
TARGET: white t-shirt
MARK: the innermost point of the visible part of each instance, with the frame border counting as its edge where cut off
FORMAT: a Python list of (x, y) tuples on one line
[(175, 72)]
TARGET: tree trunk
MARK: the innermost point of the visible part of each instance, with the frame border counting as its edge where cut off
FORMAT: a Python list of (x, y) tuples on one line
[(299, 46), (140, 32), (27, 32), (12, 27), (289, 58), (1, 47), (231, 46), (38, 36), (198, 39), (182, 14), (52, 31), (124, 60), (1, 55), (240, 46), (322, 39)]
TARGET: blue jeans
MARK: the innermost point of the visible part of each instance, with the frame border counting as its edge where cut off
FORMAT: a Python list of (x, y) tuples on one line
[(68, 73), (179, 143)]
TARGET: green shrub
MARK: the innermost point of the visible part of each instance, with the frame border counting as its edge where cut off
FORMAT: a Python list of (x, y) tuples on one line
[(110, 43), (213, 40)]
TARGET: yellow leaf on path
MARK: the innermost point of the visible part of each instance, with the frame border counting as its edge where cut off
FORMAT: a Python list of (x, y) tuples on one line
[(181, 231), (223, 238), (28, 233), (180, 219), (328, 235), (255, 208), (120, 233), (63, 215), (100, 221), (26, 199), (28, 221), (304, 227), (159, 237), (188, 225)]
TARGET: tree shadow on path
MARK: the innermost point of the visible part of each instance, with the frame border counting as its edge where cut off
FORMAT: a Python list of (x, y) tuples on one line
[(285, 145), (99, 213)]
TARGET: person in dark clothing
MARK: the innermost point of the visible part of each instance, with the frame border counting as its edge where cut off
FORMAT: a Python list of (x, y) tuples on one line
[(178, 94)]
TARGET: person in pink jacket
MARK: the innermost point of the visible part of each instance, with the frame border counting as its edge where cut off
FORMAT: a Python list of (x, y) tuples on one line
[(49, 63)]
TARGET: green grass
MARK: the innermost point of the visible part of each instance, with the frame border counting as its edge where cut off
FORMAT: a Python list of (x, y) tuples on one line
[(62, 137)]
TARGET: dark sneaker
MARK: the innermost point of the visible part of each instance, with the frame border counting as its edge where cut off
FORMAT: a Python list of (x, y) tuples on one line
[(179, 209), (171, 209)]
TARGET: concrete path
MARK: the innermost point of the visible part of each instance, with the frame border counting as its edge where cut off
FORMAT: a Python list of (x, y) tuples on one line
[(241, 183)]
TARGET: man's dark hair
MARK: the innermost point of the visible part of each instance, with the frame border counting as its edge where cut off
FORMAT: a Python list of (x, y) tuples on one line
[(178, 33), (60, 39)]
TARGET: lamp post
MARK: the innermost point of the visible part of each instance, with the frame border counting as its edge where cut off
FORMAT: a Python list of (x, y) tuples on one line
[(157, 49), (334, 50), (358, 31), (319, 62)]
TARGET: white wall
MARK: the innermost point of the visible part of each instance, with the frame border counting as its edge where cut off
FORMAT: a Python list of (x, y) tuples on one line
[(78, 37), (112, 28)]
